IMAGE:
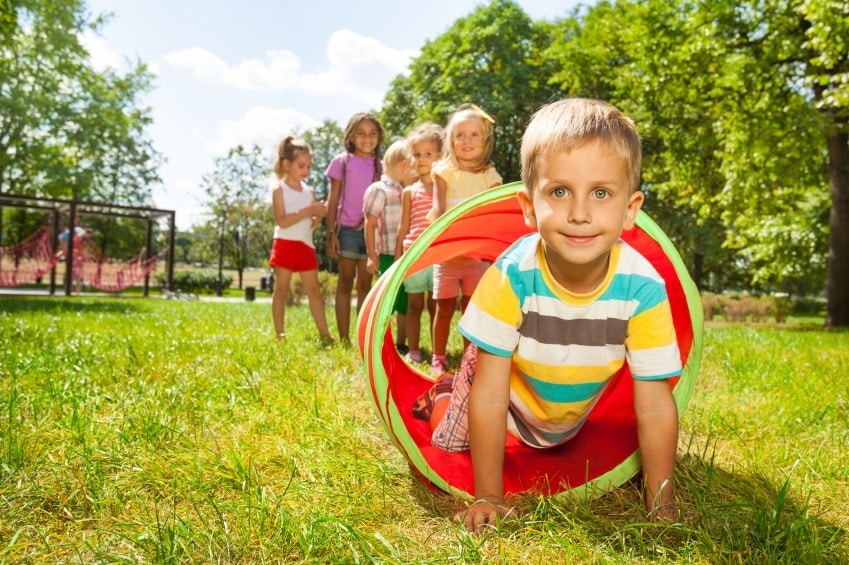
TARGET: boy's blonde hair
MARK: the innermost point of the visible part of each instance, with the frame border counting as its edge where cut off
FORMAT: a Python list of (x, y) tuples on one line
[(470, 112), (574, 122), (288, 149), (398, 151)]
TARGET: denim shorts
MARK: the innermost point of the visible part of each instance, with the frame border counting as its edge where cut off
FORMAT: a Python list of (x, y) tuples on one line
[(352, 243)]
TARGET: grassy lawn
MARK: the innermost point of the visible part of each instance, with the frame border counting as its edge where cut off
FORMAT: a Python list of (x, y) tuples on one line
[(180, 432)]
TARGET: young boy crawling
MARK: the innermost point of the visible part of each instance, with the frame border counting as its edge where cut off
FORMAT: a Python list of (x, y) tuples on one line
[(560, 311)]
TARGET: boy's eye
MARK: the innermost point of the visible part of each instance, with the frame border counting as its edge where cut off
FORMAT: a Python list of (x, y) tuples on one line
[(600, 193), (558, 192)]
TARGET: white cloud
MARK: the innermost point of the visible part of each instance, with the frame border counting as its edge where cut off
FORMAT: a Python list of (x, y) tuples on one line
[(100, 55), (186, 198), (277, 72), (360, 66), (261, 125)]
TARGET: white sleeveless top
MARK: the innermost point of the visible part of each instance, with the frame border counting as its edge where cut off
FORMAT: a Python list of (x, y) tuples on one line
[(294, 201)]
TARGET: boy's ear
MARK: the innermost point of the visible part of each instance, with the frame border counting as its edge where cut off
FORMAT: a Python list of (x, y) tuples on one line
[(527, 206), (635, 202)]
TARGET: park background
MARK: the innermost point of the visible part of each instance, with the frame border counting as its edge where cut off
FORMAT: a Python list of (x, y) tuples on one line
[(130, 434)]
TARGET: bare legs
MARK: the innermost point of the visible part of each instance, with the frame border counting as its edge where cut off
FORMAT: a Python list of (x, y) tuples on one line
[(281, 292), (349, 270), (415, 309), (278, 300), (313, 290), (445, 308)]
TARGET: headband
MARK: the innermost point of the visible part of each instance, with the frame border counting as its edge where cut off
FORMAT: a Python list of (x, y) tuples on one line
[(477, 110)]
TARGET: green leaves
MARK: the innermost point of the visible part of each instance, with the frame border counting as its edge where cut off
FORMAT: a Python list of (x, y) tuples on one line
[(68, 130)]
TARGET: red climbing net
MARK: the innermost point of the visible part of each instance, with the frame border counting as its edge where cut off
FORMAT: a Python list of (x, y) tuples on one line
[(103, 273), (28, 260)]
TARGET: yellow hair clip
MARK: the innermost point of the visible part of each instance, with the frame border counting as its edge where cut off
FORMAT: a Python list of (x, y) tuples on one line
[(477, 110)]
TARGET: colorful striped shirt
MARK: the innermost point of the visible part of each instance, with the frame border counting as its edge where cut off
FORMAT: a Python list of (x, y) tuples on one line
[(566, 347)]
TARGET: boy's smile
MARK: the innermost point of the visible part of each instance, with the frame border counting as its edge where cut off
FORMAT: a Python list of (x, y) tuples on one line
[(581, 203)]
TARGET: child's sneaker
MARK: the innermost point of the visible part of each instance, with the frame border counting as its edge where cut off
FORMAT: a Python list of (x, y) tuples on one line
[(438, 366), (402, 348), (414, 356)]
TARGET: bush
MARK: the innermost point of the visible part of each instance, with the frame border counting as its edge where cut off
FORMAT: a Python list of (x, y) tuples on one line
[(712, 304), (808, 306), (197, 282), (781, 307), (745, 307)]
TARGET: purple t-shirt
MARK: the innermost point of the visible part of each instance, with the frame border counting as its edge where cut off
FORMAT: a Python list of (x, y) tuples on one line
[(359, 174)]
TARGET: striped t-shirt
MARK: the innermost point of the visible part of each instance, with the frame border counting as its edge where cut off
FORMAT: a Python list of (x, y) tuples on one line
[(421, 201), (566, 346)]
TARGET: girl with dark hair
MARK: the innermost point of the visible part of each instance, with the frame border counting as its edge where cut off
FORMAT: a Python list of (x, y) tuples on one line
[(351, 173)]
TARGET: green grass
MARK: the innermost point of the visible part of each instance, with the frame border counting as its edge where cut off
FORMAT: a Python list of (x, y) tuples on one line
[(180, 432)]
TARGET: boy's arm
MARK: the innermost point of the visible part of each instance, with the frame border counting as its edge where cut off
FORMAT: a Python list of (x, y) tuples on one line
[(488, 403), (657, 433), (404, 225), (373, 263)]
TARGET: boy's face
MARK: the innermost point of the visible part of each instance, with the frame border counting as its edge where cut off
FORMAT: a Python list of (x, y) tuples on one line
[(402, 172), (581, 203)]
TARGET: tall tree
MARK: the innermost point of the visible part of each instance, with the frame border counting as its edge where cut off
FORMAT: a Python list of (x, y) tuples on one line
[(742, 106), (636, 59), (326, 143), (238, 208), (66, 129), (491, 58)]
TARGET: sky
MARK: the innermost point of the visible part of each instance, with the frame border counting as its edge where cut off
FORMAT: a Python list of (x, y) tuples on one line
[(230, 73)]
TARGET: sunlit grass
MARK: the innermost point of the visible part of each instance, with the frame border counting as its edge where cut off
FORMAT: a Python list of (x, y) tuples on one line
[(168, 431)]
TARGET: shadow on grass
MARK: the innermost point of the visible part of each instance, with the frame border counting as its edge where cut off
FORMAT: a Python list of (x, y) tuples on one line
[(726, 517), (59, 305)]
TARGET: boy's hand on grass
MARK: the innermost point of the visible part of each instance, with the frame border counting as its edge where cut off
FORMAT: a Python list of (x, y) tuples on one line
[(667, 513), (483, 514)]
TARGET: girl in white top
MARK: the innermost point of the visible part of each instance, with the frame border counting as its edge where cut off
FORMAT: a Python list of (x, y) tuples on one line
[(296, 215)]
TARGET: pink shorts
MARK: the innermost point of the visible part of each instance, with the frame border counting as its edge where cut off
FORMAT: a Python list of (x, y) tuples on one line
[(295, 256), (460, 275)]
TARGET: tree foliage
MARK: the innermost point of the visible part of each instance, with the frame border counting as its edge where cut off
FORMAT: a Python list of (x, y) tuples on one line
[(66, 129), (491, 58), (326, 143), (743, 107), (238, 207)]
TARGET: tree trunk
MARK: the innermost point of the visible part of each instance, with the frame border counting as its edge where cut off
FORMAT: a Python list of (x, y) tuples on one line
[(837, 309)]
